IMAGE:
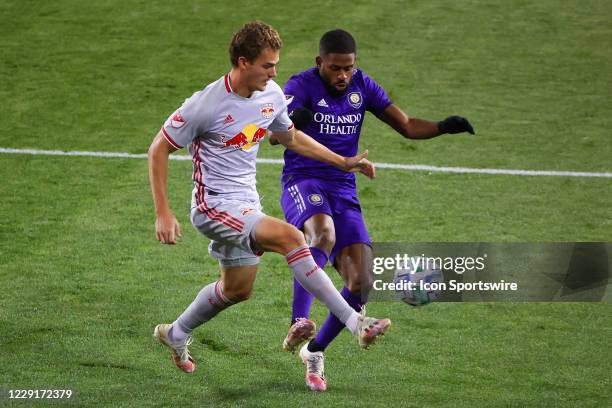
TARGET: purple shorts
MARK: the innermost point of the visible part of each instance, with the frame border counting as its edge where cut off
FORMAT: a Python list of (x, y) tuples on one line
[(302, 199)]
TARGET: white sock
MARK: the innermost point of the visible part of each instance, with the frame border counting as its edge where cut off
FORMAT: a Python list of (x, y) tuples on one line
[(352, 323), (207, 304), (315, 280), (176, 334)]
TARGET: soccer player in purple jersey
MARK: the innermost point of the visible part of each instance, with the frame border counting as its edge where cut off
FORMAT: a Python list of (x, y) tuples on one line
[(330, 100)]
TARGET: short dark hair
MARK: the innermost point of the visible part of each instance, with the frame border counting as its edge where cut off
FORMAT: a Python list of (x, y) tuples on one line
[(338, 42), (252, 39)]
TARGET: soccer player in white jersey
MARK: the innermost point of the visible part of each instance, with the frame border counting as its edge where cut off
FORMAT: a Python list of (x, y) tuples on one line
[(223, 125)]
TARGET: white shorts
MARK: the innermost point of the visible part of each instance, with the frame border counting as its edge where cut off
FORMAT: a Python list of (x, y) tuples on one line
[(230, 225)]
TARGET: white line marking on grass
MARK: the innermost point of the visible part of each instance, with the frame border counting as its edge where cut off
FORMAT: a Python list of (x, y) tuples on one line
[(410, 167)]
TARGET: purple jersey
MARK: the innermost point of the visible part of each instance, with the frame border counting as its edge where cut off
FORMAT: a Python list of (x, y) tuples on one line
[(337, 120)]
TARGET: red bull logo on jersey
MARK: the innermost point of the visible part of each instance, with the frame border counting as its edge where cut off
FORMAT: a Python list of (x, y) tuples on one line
[(251, 135), (267, 110)]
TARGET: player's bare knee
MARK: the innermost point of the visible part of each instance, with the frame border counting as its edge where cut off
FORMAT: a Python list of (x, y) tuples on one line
[(324, 239), (292, 238)]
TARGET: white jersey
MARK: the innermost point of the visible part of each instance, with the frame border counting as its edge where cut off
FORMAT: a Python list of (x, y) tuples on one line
[(223, 131)]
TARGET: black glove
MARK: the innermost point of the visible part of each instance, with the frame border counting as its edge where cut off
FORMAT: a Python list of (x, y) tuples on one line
[(301, 117), (455, 124)]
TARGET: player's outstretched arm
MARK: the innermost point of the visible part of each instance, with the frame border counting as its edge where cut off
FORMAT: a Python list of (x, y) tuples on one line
[(300, 117), (414, 128), (167, 228), (273, 140), (306, 146)]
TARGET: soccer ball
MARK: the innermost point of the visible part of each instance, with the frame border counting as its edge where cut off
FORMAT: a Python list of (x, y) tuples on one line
[(418, 295)]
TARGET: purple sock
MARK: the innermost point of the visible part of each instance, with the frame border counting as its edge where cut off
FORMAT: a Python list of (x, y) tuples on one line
[(302, 299), (333, 326)]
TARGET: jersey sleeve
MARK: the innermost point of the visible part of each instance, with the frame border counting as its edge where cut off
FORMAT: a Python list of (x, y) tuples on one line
[(294, 92), (282, 122), (186, 123), (376, 97)]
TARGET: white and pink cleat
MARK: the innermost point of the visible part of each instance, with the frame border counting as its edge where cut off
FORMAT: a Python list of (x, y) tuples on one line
[(315, 375)]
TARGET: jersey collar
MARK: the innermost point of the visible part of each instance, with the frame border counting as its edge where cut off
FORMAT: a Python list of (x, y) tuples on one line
[(228, 86)]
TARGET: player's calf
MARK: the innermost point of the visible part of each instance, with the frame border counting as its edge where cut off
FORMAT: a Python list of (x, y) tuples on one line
[(239, 294), (236, 282)]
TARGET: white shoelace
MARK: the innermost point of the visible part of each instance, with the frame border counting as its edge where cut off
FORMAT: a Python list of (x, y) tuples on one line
[(365, 321), (182, 350)]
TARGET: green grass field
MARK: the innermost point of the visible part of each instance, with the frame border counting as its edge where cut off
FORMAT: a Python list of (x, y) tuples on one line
[(84, 281)]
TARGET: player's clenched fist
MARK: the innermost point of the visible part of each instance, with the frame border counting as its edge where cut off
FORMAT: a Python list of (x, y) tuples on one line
[(167, 228)]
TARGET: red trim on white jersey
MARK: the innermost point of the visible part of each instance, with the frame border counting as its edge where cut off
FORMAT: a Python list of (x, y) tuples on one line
[(197, 171), (228, 86), (170, 140), (223, 217), (291, 126)]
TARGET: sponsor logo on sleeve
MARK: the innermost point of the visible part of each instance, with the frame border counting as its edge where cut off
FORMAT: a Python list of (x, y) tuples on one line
[(177, 121)]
